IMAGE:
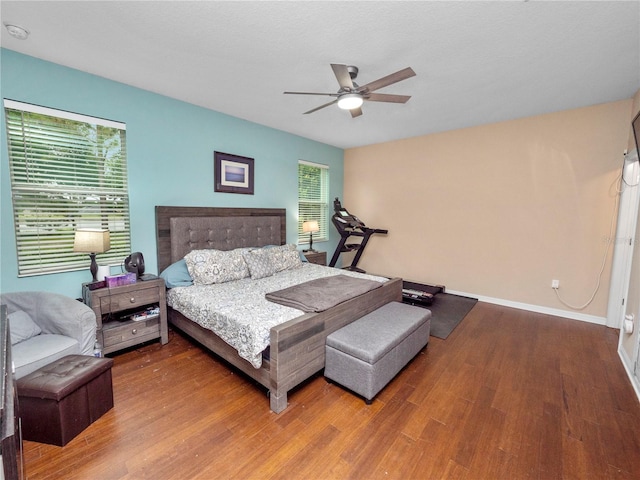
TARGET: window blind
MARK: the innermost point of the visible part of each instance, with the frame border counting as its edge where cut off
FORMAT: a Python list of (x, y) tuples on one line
[(313, 204), (68, 171)]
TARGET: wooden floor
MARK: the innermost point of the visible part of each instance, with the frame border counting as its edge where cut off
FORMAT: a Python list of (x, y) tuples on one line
[(509, 395)]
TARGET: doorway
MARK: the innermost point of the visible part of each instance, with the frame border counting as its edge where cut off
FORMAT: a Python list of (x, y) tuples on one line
[(623, 242)]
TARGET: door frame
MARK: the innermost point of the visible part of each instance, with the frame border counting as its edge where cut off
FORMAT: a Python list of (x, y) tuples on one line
[(623, 242)]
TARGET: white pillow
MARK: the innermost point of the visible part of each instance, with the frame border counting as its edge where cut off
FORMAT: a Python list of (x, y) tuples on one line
[(22, 327), (216, 266)]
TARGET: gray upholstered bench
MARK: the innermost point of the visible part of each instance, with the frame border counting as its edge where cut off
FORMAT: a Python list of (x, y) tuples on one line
[(365, 355)]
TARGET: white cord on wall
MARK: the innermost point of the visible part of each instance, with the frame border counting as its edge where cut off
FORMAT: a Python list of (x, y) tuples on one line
[(618, 186)]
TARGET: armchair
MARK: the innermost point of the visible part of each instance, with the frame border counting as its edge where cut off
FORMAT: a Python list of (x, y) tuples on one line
[(63, 326)]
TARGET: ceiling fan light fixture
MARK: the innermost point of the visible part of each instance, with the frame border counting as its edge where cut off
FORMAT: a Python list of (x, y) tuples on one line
[(351, 96), (349, 101)]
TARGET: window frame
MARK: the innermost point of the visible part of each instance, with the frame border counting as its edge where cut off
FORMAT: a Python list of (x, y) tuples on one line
[(322, 201), (66, 173)]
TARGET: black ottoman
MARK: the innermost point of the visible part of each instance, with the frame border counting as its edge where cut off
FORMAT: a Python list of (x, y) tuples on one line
[(63, 398)]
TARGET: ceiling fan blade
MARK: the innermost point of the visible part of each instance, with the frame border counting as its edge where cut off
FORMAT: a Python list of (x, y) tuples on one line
[(342, 74), (355, 112), (321, 106), (311, 93), (388, 80), (383, 97)]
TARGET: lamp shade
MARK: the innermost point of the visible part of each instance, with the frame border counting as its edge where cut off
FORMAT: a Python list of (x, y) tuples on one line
[(310, 226), (88, 240)]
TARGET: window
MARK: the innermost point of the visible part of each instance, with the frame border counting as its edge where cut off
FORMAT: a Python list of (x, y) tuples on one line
[(68, 171), (313, 193)]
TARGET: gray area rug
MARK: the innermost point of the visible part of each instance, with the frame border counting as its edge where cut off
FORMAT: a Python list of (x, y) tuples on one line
[(447, 311)]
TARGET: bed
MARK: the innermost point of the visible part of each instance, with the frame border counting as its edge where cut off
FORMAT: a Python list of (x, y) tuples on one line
[(297, 346)]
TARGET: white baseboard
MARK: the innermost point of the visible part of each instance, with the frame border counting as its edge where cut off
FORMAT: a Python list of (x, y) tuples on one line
[(556, 312), (624, 358)]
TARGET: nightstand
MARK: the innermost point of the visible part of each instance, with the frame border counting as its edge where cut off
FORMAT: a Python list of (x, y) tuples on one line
[(319, 258), (114, 305)]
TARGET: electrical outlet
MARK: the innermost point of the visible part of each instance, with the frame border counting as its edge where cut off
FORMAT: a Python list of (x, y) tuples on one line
[(555, 283)]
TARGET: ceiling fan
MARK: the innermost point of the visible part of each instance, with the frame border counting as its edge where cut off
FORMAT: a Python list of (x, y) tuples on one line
[(351, 95)]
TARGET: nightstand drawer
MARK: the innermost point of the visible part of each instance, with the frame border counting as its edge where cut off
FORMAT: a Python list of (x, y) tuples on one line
[(127, 300), (115, 334)]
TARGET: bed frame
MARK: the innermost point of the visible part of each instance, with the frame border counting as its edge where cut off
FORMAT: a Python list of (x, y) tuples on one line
[(297, 347)]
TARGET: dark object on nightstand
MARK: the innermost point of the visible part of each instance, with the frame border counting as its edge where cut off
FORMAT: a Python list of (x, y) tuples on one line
[(134, 263), (96, 285), (60, 400)]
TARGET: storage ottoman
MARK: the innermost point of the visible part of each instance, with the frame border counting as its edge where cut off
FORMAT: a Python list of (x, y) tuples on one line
[(365, 355), (61, 399)]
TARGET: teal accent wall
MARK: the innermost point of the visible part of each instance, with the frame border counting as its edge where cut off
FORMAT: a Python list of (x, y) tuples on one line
[(170, 147)]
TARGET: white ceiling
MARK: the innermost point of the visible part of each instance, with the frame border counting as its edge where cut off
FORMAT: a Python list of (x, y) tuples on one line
[(476, 62)]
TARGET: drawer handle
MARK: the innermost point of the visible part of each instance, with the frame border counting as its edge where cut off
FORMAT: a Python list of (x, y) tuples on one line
[(134, 331), (132, 300)]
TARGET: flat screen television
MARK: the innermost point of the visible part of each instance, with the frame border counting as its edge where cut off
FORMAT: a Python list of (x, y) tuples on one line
[(636, 131)]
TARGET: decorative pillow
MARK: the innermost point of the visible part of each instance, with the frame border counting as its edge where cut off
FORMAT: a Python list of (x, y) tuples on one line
[(216, 266), (285, 257), (303, 259), (22, 327), (259, 263), (290, 259), (177, 275)]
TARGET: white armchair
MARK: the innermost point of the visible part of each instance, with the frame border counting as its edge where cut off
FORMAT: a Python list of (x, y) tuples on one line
[(47, 326)]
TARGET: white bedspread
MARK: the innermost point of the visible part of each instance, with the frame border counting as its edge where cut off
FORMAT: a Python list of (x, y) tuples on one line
[(238, 311)]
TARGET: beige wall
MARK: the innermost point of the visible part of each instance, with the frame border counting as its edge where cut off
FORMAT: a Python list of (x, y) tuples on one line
[(499, 210), (628, 342)]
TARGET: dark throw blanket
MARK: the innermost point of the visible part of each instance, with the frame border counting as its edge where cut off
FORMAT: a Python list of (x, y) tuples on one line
[(322, 293)]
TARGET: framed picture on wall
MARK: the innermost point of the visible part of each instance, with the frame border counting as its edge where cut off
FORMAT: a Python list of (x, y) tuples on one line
[(232, 173)]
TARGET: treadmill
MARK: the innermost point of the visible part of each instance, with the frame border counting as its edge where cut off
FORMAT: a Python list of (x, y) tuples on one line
[(349, 225)]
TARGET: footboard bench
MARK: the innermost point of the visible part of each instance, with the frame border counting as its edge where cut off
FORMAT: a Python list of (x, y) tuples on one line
[(365, 355)]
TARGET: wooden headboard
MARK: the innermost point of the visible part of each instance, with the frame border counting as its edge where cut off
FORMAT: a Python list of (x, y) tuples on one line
[(182, 229)]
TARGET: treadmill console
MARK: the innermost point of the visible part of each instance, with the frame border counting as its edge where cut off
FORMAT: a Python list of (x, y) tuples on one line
[(344, 218), (348, 220)]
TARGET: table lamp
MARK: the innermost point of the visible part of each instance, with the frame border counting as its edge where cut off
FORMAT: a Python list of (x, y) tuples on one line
[(92, 241), (310, 227)]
